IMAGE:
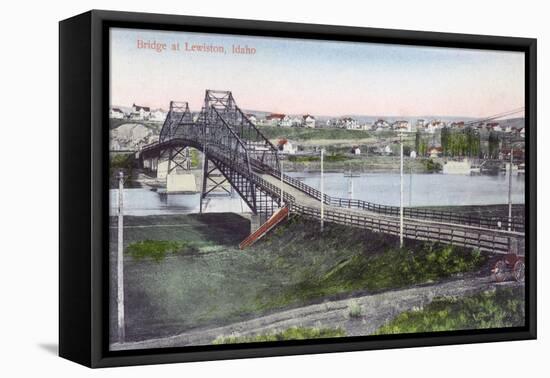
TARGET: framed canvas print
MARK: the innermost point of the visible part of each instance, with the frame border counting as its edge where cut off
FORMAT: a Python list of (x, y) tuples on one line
[(234, 188)]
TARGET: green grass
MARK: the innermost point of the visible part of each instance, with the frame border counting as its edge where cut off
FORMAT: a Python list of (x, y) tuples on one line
[(432, 166), (336, 157), (300, 133), (158, 249), (354, 310), (303, 159), (294, 265), (368, 265), (494, 309), (293, 333)]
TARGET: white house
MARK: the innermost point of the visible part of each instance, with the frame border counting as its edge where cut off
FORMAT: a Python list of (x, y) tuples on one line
[(140, 112), (286, 147), (348, 123), (296, 121), (286, 121), (434, 125), (274, 119), (413, 154), (158, 115), (116, 113), (385, 150), (403, 126), (495, 126), (308, 121), (381, 125), (522, 132), (356, 150), (252, 118)]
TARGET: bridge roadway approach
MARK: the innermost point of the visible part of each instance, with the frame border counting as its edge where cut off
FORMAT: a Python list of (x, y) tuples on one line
[(486, 239)]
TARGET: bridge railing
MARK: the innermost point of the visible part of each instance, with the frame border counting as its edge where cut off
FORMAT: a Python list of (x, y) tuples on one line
[(495, 241), (273, 190), (312, 192), (516, 224), (497, 223)]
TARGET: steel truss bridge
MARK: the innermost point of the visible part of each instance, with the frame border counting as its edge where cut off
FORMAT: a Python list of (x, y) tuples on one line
[(235, 151)]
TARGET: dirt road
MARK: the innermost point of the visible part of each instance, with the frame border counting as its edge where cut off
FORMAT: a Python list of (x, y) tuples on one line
[(376, 310)]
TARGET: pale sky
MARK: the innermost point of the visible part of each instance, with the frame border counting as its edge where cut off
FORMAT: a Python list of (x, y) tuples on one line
[(297, 76)]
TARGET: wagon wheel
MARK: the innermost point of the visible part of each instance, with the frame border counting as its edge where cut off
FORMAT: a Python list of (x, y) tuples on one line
[(519, 271), (500, 270)]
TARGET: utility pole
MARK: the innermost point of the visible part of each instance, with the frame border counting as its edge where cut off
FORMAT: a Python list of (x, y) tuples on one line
[(322, 191), (282, 183), (204, 167), (350, 186), (401, 196), (410, 184), (510, 189), (120, 259)]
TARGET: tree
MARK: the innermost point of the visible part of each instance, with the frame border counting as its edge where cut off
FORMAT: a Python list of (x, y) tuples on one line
[(493, 145), (472, 142), (417, 141), (423, 148), (445, 138)]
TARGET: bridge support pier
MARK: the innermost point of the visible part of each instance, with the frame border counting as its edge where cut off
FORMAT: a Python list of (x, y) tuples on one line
[(181, 183), (255, 222)]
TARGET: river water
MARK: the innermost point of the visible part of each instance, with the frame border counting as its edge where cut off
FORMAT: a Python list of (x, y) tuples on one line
[(381, 188)]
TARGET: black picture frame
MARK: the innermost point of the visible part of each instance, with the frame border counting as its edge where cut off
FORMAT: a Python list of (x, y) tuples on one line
[(83, 181)]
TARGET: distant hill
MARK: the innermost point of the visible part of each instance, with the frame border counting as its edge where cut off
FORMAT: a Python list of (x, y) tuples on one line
[(513, 122)]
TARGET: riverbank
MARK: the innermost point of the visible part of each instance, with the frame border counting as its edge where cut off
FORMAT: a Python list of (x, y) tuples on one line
[(202, 278), (371, 164)]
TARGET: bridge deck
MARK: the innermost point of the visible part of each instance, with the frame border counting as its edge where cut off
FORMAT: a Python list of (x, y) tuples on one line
[(301, 197), (420, 229)]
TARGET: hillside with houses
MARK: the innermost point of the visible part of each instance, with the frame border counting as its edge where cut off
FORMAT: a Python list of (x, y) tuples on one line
[(351, 137)]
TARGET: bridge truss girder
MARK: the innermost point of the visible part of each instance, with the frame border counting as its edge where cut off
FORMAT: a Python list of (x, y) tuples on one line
[(177, 118), (259, 201), (221, 105), (178, 158), (234, 146)]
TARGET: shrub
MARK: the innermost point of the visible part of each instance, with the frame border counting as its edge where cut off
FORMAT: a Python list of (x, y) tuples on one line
[(158, 249), (432, 166), (391, 269), (492, 309), (354, 310)]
